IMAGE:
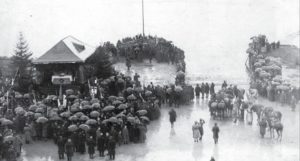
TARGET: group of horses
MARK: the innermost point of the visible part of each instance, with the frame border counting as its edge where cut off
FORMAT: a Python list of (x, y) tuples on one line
[(225, 104)]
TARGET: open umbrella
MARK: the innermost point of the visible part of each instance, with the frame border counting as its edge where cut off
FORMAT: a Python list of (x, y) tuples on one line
[(42, 120), (65, 114), (84, 118), (120, 115), (73, 118), (258, 70), (122, 106), (96, 105), (79, 114), (42, 106), (84, 127), (20, 112), (178, 89), (105, 121), (6, 122), (29, 113), (95, 100), (131, 97), (72, 128), (72, 97), (283, 87), (113, 120), (144, 118), (120, 98), (86, 107), (74, 109), (142, 112), (108, 108), (120, 80), (94, 114), (275, 83), (83, 103), (37, 115), (33, 107), (277, 78), (19, 108), (138, 89), (116, 102), (39, 110), (112, 98), (148, 93), (91, 122), (130, 119), (9, 138), (69, 91), (169, 90), (26, 95), (129, 89), (55, 118)]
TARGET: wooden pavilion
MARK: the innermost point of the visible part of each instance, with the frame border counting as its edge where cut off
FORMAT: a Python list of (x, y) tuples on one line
[(62, 66)]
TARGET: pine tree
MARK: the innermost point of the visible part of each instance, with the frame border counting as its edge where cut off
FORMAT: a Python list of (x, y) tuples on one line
[(99, 64), (21, 58)]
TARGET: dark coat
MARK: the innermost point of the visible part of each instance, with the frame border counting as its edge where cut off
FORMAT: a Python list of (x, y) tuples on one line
[(69, 148), (61, 146), (101, 143), (111, 145), (173, 116), (91, 146), (215, 131)]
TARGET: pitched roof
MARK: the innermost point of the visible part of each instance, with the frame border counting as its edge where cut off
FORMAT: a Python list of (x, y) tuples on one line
[(68, 50)]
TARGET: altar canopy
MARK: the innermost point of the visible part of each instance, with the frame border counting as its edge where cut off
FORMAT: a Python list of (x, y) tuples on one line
[(67, 50)]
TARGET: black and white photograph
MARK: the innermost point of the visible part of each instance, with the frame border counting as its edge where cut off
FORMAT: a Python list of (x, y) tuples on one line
[(149, 80)]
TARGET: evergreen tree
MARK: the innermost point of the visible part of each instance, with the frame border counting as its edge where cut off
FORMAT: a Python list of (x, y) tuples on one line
[(99, 64), (21, 58)]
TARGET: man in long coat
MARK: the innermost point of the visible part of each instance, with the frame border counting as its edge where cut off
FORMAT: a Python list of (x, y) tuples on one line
[(173, 116), (101, 144), (111, 148), (216, 131), (69, 149), (91, 147), (61, 147)]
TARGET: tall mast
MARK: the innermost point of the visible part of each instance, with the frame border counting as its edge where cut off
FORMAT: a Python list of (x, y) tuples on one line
[(143, 18)]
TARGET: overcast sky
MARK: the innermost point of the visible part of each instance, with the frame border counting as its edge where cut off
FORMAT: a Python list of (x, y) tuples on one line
[(186, 22)]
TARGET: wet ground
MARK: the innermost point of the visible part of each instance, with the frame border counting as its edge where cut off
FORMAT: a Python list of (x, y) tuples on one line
[(237, 141)]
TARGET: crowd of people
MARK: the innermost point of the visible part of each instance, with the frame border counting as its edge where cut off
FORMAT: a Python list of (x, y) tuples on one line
[(266, 74)]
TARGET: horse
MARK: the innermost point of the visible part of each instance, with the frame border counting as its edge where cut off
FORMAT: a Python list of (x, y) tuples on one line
[(221, 109), (258, 109), (278, 126)]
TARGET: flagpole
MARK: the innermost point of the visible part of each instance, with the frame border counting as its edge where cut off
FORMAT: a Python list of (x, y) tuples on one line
[(143, 18)]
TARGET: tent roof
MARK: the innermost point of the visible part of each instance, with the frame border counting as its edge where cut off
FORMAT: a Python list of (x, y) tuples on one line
[(68, 50)]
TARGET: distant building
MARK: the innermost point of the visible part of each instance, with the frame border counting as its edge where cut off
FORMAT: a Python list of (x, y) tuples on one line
[(63, 64)]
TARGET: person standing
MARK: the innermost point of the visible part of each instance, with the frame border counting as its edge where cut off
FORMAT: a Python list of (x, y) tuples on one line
[(91, 147), (111, 148), (197, 91), (212, 89), (69, 149), (224, 85), (172, 114), (61, 147), (196, 132), (101, 144), (293, 103), (202, 90), (201, 123), (262, 127), (125, 135), (216, 131), (206, 90)]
